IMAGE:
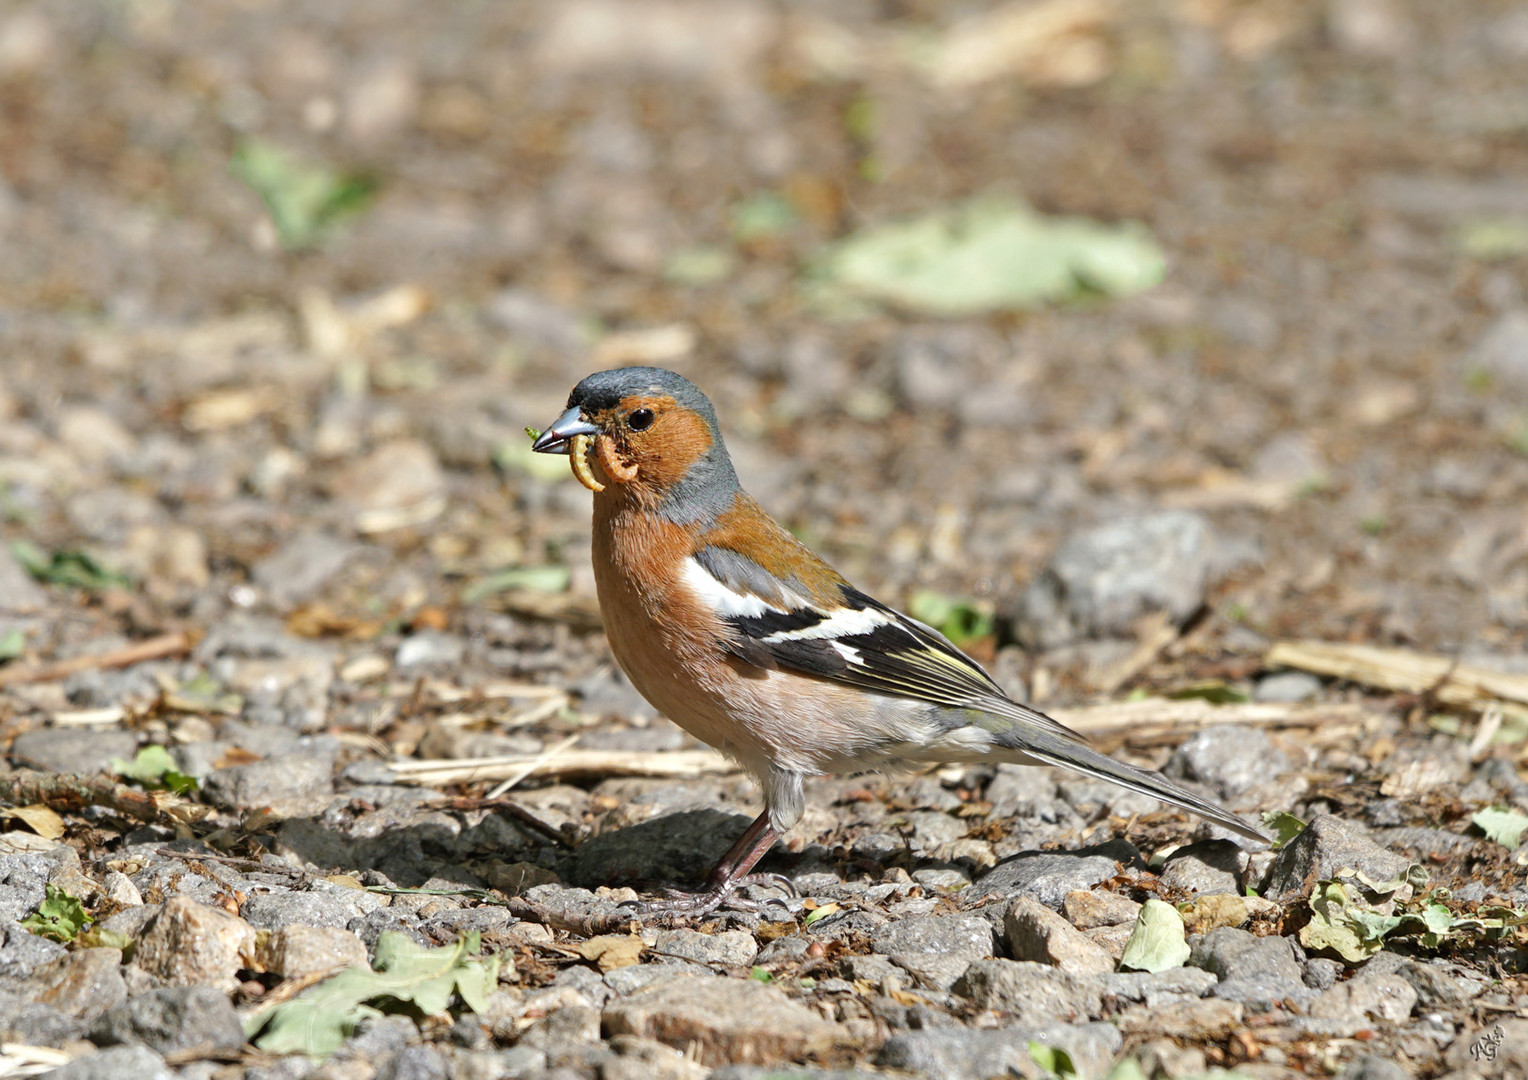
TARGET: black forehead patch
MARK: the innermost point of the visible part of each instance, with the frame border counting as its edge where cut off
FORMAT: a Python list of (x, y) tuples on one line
[(606, 389)]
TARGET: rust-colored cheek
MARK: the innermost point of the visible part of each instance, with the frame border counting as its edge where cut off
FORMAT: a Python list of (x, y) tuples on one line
[(615, 468)]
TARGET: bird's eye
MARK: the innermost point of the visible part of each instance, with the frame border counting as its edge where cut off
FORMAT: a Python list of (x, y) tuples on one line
[(640, 419)]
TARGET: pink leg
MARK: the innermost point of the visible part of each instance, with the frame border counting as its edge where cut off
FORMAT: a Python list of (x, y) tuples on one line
[(741, 857), (730, 873)]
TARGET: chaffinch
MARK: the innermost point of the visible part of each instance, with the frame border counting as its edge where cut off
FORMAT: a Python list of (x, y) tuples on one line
[(737, 632)]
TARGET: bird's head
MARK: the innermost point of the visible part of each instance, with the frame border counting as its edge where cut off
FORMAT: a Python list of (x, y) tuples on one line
[(654, 436)]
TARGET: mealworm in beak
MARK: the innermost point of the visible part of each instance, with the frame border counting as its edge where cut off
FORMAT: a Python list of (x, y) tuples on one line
[(578, 448)]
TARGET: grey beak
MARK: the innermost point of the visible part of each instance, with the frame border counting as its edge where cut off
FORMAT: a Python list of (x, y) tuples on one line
[(555, 439)]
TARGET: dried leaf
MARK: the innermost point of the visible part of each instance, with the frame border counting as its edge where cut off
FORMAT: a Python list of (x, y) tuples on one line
[(611, 951), (42, 820)]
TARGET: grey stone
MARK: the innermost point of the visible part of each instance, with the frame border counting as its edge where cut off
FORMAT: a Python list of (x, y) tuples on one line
[(297, 780), (1208, 867), (535, 320), (296, 950), (1088, 909), (23, 885), (966, 1054), (1229, 757), (378, 1037), (1100, 582), (187, 944), (302, 567), (85, 985), (1322, 973), (733, 948), (968, 936), (1435, 987), (1049, 875), (1503, 350), (1033, 993), (739, 1021), (1141, 985), (19, 594), (269, 911), (23, 953), (1329, 844), (415, 1063), (628, 980), (1370, 1067), (1027, 792), (73, 750), (1035, 932), (1358, 1003), (519, 1061), (678, 848), (773, 1072), (35, 1023), (115, 1063), (1287, 687), (430, 649), (172, 1020), (1261, 973), (374, 924)]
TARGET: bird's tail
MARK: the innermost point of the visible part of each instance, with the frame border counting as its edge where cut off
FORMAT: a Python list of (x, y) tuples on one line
[(1042, 747)]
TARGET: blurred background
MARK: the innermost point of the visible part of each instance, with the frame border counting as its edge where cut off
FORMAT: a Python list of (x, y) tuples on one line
[(281, 284)]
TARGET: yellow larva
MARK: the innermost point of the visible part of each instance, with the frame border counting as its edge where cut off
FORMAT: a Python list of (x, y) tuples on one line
[(578, 451)]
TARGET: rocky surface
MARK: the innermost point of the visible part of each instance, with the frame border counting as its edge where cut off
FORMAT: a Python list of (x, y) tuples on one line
[(267, 514)]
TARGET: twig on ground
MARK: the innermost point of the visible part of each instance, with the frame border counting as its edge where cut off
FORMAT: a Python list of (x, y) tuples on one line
[(154, 648), (1405, 671), (71, 791), (663, 764), (1159, 719)]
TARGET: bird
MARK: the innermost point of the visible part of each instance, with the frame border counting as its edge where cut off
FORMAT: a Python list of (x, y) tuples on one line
[(735, 630)]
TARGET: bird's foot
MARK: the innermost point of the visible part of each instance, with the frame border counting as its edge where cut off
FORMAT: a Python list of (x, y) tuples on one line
[(715, 895)]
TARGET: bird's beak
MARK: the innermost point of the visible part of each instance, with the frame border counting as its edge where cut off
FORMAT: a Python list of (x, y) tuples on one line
[(556, 439)]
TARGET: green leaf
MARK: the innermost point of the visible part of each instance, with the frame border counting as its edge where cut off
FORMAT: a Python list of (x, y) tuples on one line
[(959, 620), (1504, 826), (304, 201), (1054, 1060), (762, 217), (550, 579), (1493, 239), (991, 254), (760, 974), (699, 266), (12, 644), (60, 916), (1284, 827), (75, 569), (1214, 691), (201, 693), (153, 767), (100, 938), (1158, 941), (1341, 923), (820, 913), (317, 1021)]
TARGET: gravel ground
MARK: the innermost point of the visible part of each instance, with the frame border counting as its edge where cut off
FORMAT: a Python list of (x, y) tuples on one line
[(271, 510)]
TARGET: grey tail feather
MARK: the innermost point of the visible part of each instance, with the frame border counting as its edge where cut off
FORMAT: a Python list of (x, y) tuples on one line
[(1079, 758)]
